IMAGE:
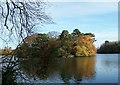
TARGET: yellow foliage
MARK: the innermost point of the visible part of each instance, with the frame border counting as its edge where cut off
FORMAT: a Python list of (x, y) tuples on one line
[(84, 46), (80, 51)]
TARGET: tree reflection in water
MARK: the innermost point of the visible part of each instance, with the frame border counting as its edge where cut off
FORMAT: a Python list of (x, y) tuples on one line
[(9, 68), (38, 67), (74, 69)]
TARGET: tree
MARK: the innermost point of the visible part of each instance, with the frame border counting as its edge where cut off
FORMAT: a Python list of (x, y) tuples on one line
[(64, 35), (81, 51), (84, 46), (90, 34), (109, 47), (76, 32), (41, 45), (18, 20), (53, 34), (106, 42), (20, 17)]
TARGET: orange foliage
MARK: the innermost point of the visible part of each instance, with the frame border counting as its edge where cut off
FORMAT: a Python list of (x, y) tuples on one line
[(84, 46)]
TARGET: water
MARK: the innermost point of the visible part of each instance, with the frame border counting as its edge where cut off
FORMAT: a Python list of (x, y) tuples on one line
[(103, 68), (106, 69)]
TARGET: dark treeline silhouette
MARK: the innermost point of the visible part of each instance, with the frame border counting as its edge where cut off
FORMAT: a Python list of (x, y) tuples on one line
[(109, 47)]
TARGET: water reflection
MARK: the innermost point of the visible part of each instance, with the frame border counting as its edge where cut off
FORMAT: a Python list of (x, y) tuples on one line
[(98, 69), (68, 68)]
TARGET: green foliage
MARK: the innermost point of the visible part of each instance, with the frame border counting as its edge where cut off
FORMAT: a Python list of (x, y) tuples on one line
[(76, 32), (42, 38), (74, 44), (90, 34), (64, 35), (109, 47), (61, 51)]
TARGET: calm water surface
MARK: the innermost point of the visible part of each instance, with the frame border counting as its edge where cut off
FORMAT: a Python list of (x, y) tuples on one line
[(103, 68)]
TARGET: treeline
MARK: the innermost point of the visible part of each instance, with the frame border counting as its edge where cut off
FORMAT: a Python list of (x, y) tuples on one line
[(109, 47), (6, 51), (63, 45)]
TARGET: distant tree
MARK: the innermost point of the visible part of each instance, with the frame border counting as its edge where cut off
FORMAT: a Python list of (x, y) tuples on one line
[(53, 34), (64, 46), (109, 47), (64, 35), (90, 34), (76, 32), (106, 42)]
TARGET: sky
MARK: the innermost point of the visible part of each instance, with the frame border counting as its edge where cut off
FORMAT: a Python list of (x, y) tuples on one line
[(97, 17)]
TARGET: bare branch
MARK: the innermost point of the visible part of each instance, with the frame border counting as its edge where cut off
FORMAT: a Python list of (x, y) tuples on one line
[(19, 18)]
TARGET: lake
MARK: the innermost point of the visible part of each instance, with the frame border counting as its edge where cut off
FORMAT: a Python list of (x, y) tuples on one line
[(103, 68)]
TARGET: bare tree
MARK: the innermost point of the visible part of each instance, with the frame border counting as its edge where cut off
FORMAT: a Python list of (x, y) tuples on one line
[(18, 18), (53, 34)]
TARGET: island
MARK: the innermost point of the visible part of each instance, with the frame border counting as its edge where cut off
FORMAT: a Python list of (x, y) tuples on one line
[(76, 44)]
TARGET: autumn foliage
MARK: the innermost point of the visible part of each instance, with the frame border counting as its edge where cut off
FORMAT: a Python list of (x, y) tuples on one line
[(65, 45), (84, 46)]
